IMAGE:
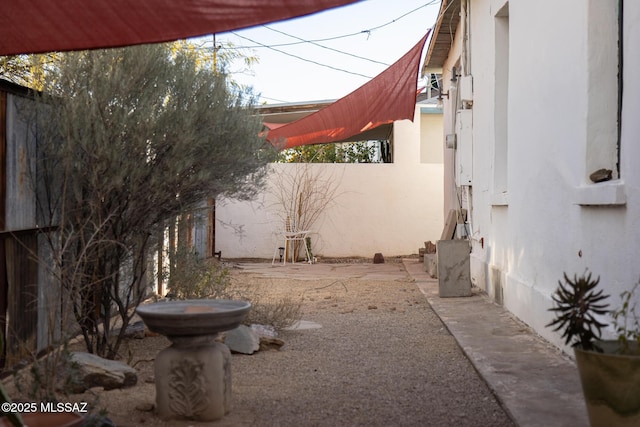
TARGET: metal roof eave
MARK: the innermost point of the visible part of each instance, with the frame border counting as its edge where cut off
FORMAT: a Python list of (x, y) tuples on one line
[(442, 37)]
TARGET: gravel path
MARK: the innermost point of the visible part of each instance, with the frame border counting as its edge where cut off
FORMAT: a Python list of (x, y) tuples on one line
[(380, 358)]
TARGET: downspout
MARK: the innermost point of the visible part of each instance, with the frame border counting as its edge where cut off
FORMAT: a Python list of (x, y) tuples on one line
[(620, 77), (464, 56), (465, 71)]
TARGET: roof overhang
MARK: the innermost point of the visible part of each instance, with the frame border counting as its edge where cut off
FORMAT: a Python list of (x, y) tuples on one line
[(290, 112), (442, 38), (388, 97), (14, 88)]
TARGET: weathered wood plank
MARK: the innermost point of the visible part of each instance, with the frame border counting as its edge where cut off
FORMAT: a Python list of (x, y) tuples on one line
[(449, 230), (3, 199), (22, 313), (20, 163), (3, 158)]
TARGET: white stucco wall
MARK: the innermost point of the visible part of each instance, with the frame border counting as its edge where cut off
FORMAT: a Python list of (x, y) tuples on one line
[(552, 219), (389, 208)]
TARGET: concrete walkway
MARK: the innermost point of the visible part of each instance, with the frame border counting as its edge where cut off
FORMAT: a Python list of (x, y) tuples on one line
[(534, 381), (536, 384)]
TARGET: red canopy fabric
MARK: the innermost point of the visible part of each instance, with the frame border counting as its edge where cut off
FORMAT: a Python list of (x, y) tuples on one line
[(388, 97), (34, 26)]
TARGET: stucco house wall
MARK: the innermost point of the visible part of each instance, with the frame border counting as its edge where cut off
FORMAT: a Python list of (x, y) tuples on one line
[(390, 208), (544, 106)]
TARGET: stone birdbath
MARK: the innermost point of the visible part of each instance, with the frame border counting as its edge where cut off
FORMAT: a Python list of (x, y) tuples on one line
[(193, 374)]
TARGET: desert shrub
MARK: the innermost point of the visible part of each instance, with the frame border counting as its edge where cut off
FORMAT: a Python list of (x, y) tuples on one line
[(279, 312), (47, 378), (193, 277)]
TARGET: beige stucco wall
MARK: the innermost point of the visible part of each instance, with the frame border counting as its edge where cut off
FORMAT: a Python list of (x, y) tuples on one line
[(388, 208)]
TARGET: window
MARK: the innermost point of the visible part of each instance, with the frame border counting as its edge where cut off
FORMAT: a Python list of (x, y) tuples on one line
[(604, 105), (501, 106), (603, 68)]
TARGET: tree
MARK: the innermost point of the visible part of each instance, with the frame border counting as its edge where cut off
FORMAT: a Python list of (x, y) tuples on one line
[(347, 152), (127, 139), (31, 70), (27, 70), (302, 193)]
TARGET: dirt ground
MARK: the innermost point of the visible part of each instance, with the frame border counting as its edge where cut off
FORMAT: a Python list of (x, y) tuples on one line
[(380, 357)]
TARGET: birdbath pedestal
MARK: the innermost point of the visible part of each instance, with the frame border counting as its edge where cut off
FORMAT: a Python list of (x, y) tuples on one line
[(193, 374)]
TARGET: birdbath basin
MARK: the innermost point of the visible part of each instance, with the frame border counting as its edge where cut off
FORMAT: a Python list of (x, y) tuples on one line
[(197, 317), (193, 374)]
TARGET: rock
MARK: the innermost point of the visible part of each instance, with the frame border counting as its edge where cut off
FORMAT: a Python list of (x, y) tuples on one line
[(601, 175), (145, 407), (242, 340), (430, 247), (264, 330), (135, 330), (94, 371), (268, 343), (378, 258), (304, 324)]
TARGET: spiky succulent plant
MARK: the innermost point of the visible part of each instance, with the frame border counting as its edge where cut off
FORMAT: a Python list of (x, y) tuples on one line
[(577, 306)]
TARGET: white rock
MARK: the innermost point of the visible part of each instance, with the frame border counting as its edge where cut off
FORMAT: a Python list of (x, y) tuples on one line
[(264, 330), (242, 340)]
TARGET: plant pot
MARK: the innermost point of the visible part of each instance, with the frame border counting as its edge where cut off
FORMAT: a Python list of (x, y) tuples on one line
[(611, 385), (47, 419)]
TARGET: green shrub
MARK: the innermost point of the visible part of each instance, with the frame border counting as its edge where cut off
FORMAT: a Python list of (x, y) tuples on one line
[(193, 277)]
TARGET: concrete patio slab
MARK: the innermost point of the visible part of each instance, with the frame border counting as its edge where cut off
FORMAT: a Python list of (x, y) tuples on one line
[(536, 383)]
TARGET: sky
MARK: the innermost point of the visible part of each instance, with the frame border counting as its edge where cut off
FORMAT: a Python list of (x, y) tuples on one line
[(370, 35)]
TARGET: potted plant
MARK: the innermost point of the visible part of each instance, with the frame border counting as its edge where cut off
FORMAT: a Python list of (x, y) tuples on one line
[(609, 369)]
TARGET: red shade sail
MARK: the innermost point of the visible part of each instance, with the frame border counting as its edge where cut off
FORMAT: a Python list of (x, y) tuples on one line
[(34, 26), (388, 97)]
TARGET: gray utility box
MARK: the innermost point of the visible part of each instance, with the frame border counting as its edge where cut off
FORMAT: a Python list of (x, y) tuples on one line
[(454, 276)]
